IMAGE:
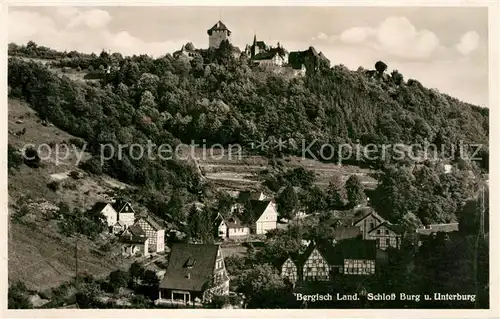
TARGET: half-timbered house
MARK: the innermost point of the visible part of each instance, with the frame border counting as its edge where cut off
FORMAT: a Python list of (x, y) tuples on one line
[(386, 235), (155, 233)]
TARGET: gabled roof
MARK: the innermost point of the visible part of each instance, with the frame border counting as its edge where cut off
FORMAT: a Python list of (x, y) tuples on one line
[(134, 234), (392, 227), (148, 219), (371, 213), (120, 205), (180, 277), (244, 196), (258, 207), (233, 222), (98, 207)]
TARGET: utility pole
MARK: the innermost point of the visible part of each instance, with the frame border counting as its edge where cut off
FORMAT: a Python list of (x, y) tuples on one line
[(76, 260), (479, 241)]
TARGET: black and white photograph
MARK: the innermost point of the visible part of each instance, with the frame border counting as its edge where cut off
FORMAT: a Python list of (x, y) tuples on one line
[(248, 157)]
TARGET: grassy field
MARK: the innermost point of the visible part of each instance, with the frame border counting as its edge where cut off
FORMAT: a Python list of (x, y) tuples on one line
[(38, 254), (241, 171)]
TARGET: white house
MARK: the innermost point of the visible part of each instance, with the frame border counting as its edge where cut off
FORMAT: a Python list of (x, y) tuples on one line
[(107, 210), (134, 241), (232, 228), (265, 214), (126, 213), (155, 233)]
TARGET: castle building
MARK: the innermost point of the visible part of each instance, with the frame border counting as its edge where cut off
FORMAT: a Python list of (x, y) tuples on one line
[(218, 33)]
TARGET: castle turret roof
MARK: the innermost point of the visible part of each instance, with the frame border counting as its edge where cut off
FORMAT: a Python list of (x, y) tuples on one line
[(219, 26)]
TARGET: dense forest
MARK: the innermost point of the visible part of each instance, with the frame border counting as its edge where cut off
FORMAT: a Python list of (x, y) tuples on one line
[(219, 98)]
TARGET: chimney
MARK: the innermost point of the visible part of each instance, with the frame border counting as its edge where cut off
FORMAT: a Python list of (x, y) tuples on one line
[(188, 276)]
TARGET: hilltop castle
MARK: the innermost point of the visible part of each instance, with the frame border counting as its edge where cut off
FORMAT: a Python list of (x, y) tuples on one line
[(259, 52)]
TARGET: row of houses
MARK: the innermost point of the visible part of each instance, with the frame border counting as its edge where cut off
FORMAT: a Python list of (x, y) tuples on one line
[(264, 216), (137, 234)]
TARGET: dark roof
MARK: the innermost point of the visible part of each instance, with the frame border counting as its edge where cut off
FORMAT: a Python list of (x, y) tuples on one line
[(219, 26), (342, 233), (98, 207), (258, 207), (201, 257), (244, 196), (264, 56), (234, 222), (260, 44), (119, 205), (134, 234), (297, 58)]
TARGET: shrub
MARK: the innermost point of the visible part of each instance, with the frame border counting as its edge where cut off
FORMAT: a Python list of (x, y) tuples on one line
[(54, 185)]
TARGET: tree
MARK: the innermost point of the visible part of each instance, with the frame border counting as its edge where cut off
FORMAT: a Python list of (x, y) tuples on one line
[(175, 208), (397, 77), (136, 271), (262, 286), (18, 296), (31, 157), (380, 67), (150, 278), (316, 200), (118, 279), (335, 193), (287, 202), (14, 159), (355, 191)]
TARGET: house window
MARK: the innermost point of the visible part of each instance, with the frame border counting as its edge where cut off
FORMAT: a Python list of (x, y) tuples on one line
[(372, 225), (387, 241), (378, 242), (378, 232), (386, 232)]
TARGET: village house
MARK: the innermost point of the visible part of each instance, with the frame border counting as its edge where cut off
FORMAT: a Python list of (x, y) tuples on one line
[(107, 210), (118, 227), (368, 222), (265, 216), (194, 275), (232, 228), (323, 261), (291, 269), (155, 233), (125, 212), (134, 241), (386, 235)]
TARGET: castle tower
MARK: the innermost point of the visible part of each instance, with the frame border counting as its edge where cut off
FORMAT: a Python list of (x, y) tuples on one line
[(218, 33)]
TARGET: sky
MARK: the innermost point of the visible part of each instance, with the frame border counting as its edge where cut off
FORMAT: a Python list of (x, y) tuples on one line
[(443, 48)]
